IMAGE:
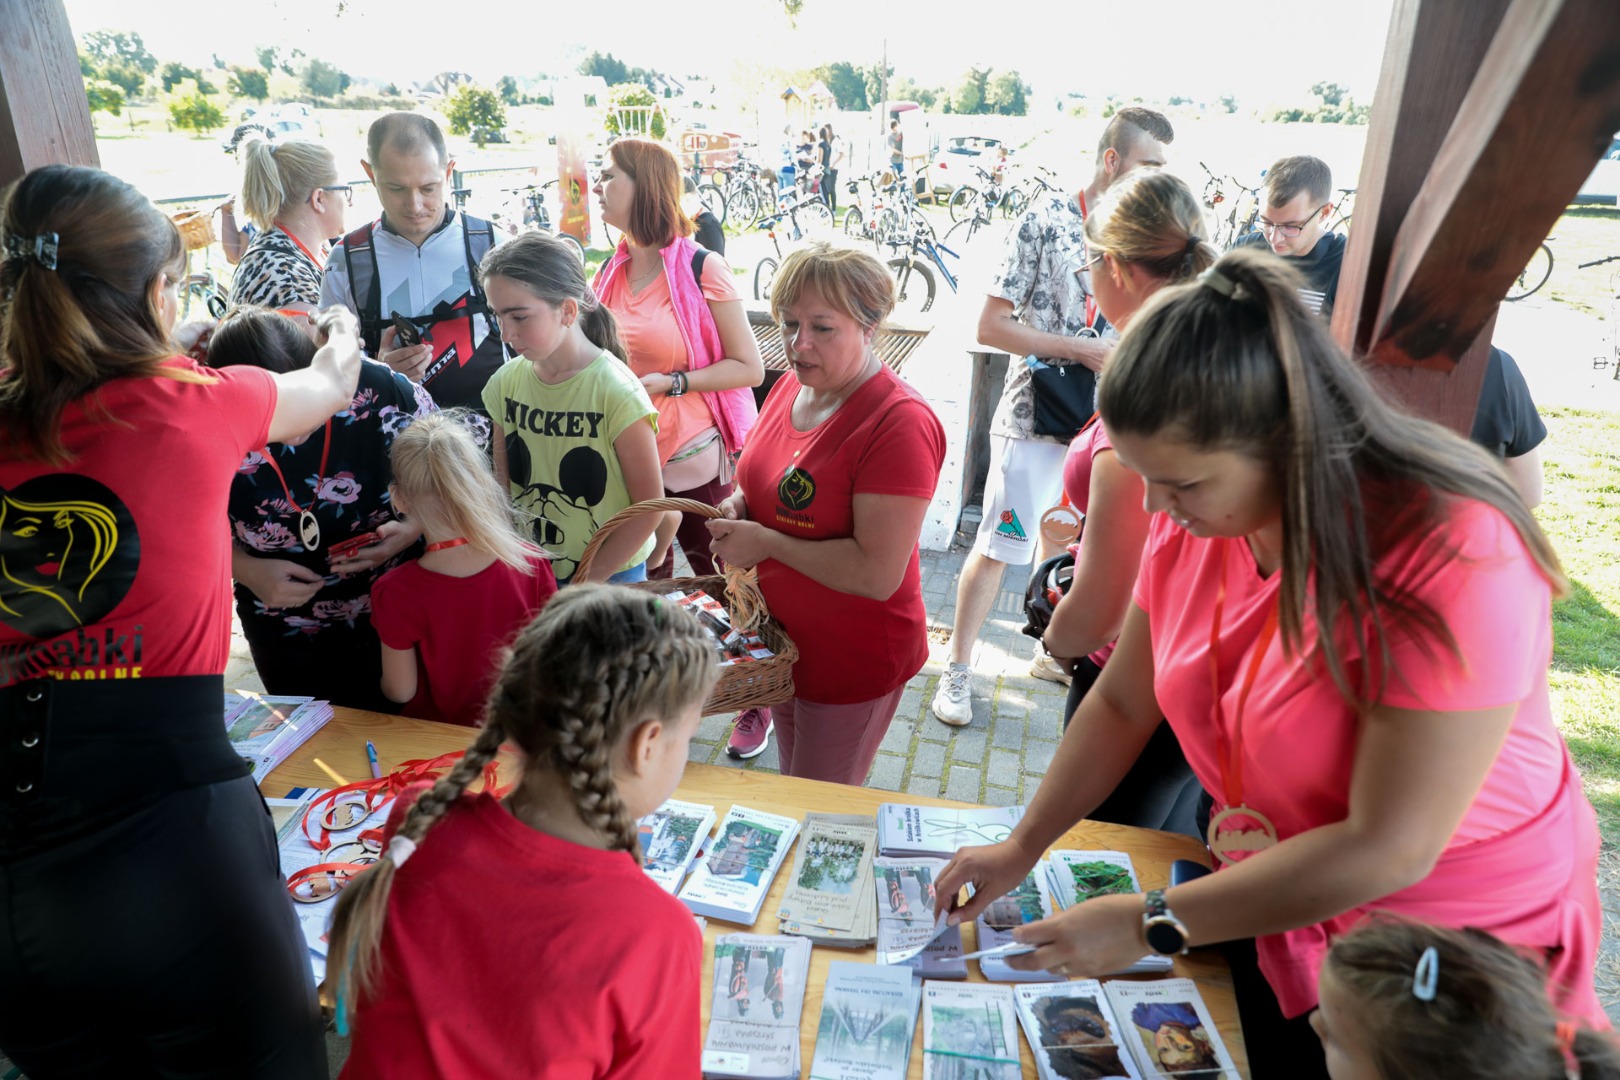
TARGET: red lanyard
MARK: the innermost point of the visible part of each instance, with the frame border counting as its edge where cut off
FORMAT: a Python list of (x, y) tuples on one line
[(299, 244), (1091, 301), (326, 448), (1230, 743)]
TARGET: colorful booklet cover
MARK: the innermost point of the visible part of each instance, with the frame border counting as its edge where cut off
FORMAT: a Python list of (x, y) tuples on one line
[(671, 837), (755, 1010), (1028, 902), (265, 730), (969, 1030), (905, 907), (730, 882), (908, 832), (831, 882), (1168, 1029), (1077, 876), (1072, 1031), (868, 1015)]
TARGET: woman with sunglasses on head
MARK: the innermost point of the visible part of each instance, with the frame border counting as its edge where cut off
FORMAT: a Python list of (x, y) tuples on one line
[(1344, 611), (291, 192), (147, 930)]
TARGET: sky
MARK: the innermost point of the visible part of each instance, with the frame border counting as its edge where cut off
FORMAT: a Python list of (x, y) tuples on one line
[(1261, 51)]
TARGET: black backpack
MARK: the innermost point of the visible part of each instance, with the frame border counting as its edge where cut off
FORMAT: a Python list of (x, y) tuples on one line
[(477, 235)]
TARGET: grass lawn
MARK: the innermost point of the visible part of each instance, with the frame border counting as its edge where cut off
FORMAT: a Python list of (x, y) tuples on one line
[(1581, 513)]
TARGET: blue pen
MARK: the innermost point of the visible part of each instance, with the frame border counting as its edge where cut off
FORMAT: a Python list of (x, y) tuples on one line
[(371, 756)]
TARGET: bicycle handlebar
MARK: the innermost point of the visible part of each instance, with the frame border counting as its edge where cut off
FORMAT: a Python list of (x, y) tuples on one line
[(1597, 262)]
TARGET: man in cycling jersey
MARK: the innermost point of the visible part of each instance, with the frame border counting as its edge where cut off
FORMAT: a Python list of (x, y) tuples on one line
[(1293, 223), (419, 260), (1038, 306)]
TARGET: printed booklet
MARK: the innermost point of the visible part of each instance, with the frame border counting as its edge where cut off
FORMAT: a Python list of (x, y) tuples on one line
[(933, 832), (1072, 1031), (266, 730), (829, 895), (969, 1030), (1168, 1029), (730, 882), (905, 905), (671, 838), (868, 1016), (1028, 902), (1077, 876), (756, 1006)]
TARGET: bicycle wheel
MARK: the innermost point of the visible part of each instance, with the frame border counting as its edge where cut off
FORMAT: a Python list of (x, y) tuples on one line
[(1341, 226), (855, 223), (742, 208), (815, 219), (764, 276), (964, 202), (1014, 203), (914, 285), (889, 227), (1533, 276), (713, 200)]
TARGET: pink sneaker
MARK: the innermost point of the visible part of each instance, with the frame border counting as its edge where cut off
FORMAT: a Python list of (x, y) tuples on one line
[(750, 734)]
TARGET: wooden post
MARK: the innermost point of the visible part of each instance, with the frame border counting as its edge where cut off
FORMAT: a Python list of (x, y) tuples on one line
[(44, 117)]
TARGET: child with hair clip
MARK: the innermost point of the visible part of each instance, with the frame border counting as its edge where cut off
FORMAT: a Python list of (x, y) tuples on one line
[(444, 619), (575, 433), (1409, 1001), (526, 940)]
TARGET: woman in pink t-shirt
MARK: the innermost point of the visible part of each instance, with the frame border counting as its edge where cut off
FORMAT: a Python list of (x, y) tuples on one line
[(1407, 760)]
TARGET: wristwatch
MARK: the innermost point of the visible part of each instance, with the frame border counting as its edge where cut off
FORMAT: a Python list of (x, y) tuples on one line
[(1164, 932)]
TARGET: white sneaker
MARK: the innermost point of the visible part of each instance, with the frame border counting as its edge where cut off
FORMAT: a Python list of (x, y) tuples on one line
[(1043, 666), (953, 702)]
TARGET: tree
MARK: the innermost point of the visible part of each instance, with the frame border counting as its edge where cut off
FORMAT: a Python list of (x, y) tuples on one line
[(905, 88), (507, 87), (126, 76), (267, 55), (612, 70), (877, 78), (174, 73), (323, 80), (972, 91), (473, 110), (249, 83), (1008, 95), (107, 47), (847, 84), (192, 110), (632, 95), (1331, 93), (104, 96)]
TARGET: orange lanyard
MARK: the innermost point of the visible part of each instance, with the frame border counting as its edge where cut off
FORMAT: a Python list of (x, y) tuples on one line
[(309, 530), (1091, 301), (299, 244), (1230, 743)]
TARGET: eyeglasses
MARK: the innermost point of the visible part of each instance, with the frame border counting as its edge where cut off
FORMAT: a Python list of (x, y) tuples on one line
[(346, 190), (1084, 273), (1288, 231)]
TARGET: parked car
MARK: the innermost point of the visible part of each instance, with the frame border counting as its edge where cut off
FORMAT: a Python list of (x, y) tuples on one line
[(276, 125), (952, 166), (1602, 188)]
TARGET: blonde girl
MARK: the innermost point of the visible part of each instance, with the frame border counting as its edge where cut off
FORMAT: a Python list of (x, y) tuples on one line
[(575, 433), (444, 619), (1406, 1000), (526, 940)]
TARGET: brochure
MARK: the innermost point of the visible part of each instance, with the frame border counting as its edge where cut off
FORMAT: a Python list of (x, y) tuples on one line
[(758, 998), (907, 932), (1028, 902), (908, 832), (731, 881), (868, 1016), (1072, 1031), (1077, 876), (969, 1030), (671, 837), (1168, 1029)]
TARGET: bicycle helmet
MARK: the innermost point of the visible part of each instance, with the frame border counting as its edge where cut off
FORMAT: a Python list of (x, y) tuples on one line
[(1047, 585)]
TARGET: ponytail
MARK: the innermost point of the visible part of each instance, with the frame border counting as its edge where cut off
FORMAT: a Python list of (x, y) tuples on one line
[(1596, 1055), (1151, 219), (277, 176), (602, 329)]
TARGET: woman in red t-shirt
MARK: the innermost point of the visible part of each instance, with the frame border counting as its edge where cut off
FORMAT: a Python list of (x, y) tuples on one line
[(140, 867), (1403, 760), (834, 484)]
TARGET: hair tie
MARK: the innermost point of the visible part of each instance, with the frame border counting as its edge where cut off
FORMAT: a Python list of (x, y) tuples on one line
[(400, 848), (42, 249), (1226, 287), (1565, 1032), (1192, 244), (1427, 976)]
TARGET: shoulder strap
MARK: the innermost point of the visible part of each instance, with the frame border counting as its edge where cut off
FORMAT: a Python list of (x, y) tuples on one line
[(697, 265), (478, 236), (364, 288)]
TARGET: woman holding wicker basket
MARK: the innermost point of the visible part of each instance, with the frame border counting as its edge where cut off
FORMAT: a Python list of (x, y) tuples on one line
[(831, 493)]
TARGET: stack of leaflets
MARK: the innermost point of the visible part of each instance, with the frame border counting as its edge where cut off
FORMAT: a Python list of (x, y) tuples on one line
[(671, 838), (1072, 1031), (969, 1030), (907, 933), (734, 646), (1168, 1029), (933, 832), (1028, 902), (730, 882), (266, 730), (868, 1015), (317, 896), (754, 1013), (1077, 876), (829, 897)]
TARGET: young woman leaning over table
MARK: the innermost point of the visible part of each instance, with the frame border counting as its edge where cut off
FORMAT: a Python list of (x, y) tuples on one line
[(1406, 761)]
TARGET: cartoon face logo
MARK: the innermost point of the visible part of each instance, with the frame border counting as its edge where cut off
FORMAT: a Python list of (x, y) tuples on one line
[(68, 554), (797, 489)]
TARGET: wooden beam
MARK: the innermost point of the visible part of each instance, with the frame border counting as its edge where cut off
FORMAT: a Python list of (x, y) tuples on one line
[(44, 117)]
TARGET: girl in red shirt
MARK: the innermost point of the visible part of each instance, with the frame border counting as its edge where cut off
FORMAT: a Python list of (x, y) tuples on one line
[(444, 619), (526, 940)]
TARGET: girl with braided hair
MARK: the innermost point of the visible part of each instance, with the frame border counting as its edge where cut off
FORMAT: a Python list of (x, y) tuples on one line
[(525, 940)]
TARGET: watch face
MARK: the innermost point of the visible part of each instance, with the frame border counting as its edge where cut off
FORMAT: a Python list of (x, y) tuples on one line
[(1164, 937)]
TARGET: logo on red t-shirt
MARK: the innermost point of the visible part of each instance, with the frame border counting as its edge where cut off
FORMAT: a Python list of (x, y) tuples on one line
[(797, 489), (69, 550)]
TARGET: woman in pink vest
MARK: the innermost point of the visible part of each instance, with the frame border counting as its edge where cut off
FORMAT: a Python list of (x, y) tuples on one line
[(1344, 612)]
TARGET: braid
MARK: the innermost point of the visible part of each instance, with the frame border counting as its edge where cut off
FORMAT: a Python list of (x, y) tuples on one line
[(362, 906), (584, 747)]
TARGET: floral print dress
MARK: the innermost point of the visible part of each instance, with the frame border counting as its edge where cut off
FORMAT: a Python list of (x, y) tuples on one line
[(327, 647)]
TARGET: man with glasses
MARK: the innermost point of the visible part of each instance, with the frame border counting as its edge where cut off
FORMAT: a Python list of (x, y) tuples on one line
[(1293, 223), (418, 260), (1039, 306)]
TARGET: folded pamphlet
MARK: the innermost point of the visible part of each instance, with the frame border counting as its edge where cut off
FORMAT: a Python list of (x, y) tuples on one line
[(758, 999), (868, 1017), (1077, 876), (1072, 1031), (1169, 1031), (909, 832), (908, 933), (671, 838), (969, 1030), (731, 880)]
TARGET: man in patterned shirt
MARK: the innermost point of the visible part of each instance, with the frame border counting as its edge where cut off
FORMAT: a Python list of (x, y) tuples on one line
[(1037, 307)]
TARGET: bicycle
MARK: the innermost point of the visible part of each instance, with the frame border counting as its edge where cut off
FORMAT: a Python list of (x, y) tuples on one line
[(1342, 211), (965, 200), (969, 226), (914, 281), (1535, 272), (534, 215), (1041, 181), (860, 217), (709, 193), (750, 191), (1242, 213), (197, 234), (1613, 360), (765, 269)]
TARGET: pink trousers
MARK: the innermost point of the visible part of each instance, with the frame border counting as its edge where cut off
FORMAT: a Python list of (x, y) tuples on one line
[(838, 742)]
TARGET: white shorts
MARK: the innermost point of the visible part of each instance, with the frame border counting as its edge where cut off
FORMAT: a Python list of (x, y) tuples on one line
[(1025, 481)]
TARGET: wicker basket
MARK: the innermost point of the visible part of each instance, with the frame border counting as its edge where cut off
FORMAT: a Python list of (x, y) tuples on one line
[(741, 686), (196, 228)]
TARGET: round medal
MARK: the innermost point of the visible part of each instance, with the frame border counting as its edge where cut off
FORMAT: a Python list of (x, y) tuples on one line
[(342, 816), (1231, 843), (309, 530), (1060, 526)]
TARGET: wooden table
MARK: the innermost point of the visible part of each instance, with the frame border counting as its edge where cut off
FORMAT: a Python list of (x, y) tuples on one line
[(337, 755)]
